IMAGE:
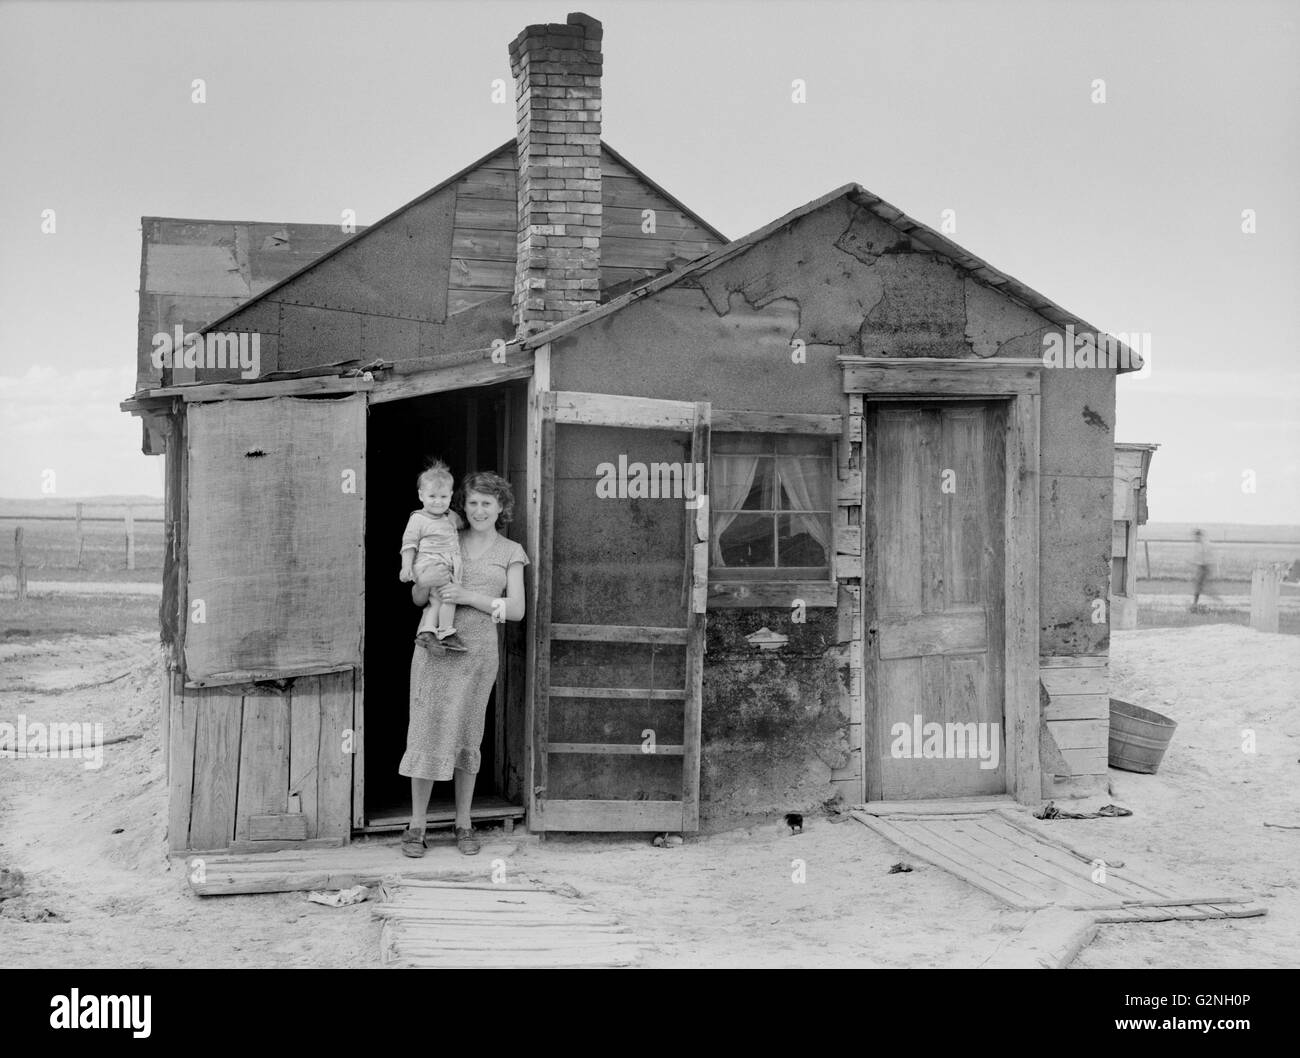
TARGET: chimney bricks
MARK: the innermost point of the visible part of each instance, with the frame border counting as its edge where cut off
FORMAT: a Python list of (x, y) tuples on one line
[(557, 92)]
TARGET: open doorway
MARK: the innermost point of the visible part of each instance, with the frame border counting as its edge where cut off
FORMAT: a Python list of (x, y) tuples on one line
[(469, 430)]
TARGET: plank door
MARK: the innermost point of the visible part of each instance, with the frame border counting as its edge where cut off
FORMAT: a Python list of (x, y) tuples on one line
[(935, 591), (621, 593)]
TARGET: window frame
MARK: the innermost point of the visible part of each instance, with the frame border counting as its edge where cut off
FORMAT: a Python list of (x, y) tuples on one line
[(752, 587)]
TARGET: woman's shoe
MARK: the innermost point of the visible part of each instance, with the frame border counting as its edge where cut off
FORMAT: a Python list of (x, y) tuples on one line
[(466, 841), (413, 843)]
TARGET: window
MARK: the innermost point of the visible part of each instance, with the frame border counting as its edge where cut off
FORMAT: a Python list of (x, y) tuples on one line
[(771, 499)]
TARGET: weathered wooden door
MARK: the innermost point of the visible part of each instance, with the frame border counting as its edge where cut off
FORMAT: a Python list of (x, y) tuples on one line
[(262, 728), (621, 594), (934, 598)]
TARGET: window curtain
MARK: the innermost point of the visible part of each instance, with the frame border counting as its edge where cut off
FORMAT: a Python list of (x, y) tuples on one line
[(733, 477), (808, 487)]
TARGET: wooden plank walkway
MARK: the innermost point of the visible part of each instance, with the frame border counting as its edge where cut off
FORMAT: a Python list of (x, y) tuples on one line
[(449, 925), (361, 863), (999, 852)]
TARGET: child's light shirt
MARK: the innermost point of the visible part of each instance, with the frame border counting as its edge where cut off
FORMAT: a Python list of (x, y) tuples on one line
[(431, 534)]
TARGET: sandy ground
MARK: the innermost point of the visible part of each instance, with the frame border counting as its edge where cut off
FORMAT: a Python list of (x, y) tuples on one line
[(727, 899), (1202, 815)]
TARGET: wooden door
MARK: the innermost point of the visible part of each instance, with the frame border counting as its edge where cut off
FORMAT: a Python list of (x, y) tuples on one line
[(935, 599), (619, 625)]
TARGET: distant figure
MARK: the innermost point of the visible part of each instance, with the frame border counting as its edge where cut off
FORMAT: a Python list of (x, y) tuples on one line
[(795, 822), (1202, 559)]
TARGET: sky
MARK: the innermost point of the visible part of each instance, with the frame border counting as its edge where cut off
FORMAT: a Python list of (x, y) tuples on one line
[(1121, 201)]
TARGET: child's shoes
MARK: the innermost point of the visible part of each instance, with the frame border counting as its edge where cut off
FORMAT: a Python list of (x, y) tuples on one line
[(455, 644), (430, 642)]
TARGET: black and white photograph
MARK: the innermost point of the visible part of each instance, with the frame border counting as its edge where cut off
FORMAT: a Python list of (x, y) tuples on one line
[(722, 485)]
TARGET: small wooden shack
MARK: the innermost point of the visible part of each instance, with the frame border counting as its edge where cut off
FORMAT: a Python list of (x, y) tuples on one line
[(792, 500), (1132, 464)]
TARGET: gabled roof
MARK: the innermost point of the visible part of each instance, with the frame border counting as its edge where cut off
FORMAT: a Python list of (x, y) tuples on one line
[(459, 174), (981, 270)]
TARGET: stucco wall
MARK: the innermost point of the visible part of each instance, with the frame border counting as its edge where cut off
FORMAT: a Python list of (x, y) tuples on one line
[(843, 282)]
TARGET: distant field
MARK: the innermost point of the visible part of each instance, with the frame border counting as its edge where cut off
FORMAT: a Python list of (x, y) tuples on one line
[(1237, 548), (50, 547), (53, 615), (1166, 604)]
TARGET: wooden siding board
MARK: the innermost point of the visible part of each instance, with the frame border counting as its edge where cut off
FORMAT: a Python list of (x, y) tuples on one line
[(1087, 761), (1081, 680), (304, 749), (263, 760), (1078, 707), (544, 503), (696, 618), (216, 766), (1086, 733), (869, 605), (182, 737), (335, 777), (1022, 571)]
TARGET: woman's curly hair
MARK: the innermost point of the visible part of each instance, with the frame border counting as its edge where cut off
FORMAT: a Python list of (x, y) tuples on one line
[(487, 483)]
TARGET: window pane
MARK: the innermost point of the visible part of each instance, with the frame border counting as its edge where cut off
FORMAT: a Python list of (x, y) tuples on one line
[(745, 541), (760, 496), (742, 482), (803, 539), (805, 483)]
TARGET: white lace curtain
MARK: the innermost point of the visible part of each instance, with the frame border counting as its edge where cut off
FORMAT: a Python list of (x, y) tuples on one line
[(804, 480), (733, 477)]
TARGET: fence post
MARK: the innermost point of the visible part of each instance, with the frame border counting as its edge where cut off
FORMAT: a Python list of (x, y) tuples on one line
[(1265, 586), (81, 540), (130, 539), (22, 565), (1146, 550)]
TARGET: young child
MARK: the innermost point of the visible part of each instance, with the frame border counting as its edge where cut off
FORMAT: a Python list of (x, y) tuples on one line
[(431, 543)]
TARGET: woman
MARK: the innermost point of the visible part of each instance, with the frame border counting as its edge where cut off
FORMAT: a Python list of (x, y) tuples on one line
[(449, 692)]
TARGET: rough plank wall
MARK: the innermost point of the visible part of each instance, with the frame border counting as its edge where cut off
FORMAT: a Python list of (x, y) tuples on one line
[(435, 279), (193, 271), (259, 750), (485, 232), (484, 235), (1076, 712), (384, 296)]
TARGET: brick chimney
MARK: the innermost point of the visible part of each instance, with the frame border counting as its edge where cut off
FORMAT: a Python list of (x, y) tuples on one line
[(557, 95)]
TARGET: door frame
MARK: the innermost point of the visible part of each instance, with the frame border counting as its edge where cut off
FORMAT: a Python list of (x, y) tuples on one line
[(1016, 381), (467, 380), (547, 408)]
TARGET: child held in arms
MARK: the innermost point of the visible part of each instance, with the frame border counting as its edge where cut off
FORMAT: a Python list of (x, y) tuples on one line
[(431, 546)]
